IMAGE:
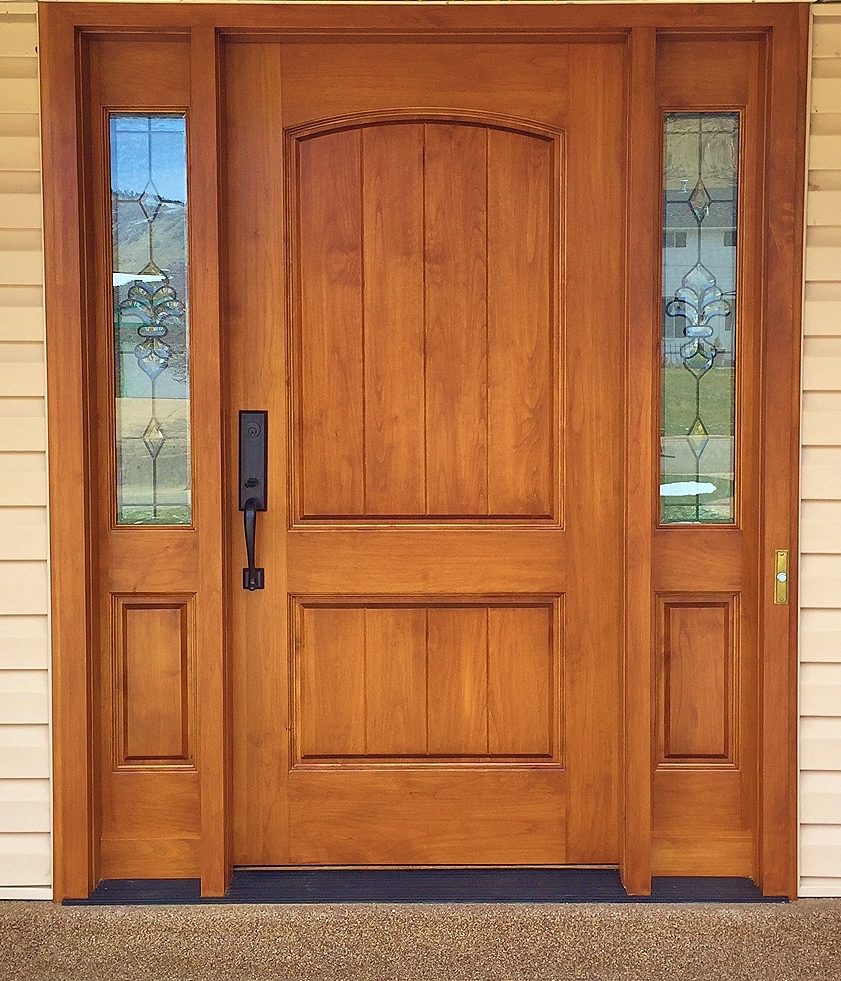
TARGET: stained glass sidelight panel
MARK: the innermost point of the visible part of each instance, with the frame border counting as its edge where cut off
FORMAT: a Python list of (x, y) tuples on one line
[(698, 417), (151, 354)]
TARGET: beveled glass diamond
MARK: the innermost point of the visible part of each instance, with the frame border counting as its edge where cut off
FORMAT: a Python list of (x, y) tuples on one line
[(154, 438), (698, 437), (700, 361), (700, 201), (699, 279), (150, 201)]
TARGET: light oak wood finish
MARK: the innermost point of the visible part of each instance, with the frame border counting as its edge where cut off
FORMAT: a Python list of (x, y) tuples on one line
[(698, 665), (455, 286), (145, 574), (642, 347), (483, 533), (154, 681), (72, 518), (779, 475), (160, 661), (460, 427), (258, 621), (694, 566), (212, 480), (430, 680)]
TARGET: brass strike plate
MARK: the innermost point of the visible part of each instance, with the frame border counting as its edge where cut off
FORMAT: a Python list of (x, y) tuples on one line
[(781, 576)]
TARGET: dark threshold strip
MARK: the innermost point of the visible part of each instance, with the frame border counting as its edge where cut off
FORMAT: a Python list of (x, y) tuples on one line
[(424, 886)]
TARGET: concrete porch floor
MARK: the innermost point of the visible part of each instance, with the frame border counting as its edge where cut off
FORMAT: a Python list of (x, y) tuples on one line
[(796, 942)]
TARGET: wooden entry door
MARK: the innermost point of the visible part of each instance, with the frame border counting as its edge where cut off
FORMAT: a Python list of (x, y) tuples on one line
[(426, 296), (467, 259)]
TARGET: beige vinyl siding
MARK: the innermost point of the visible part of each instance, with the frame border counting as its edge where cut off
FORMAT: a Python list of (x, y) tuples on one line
[(25, 868), (820, 521)]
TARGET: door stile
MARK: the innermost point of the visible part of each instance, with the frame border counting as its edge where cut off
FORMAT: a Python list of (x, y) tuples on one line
[(780, 441), (209, 436), (641, 359), (253, 197)]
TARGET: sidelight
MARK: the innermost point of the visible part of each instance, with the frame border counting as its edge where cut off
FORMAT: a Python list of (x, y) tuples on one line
[(698, 413), (148, 158)]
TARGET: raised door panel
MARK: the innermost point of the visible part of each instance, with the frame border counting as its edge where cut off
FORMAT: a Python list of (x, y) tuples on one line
[(153, 682), (698, 667), (424, 262), (150, 811), (427, 681)]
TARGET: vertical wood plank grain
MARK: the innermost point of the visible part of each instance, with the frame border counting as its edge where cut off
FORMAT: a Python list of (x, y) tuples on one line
[(456, 319), (392, 189), (521, 373), (395, 681), (521, 682), (332, 681), (458, 694), (330, 312)]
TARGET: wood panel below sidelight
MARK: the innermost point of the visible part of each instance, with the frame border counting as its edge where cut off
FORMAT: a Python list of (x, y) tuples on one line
[(150, 816), (702, 803)]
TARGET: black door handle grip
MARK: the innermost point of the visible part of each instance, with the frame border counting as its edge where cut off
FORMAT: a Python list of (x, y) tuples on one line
[(252, 577)]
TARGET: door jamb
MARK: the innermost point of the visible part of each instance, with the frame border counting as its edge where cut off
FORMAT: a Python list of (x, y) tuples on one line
[(72, 552)]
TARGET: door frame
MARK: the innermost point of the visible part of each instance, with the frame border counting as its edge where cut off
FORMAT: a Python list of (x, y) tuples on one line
[(64, 28)]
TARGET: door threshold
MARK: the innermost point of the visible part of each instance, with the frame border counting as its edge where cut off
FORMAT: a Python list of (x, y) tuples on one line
[(424, 885)]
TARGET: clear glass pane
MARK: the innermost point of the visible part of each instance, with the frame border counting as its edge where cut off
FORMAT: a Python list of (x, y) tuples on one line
[(151, 362), (698, 420)]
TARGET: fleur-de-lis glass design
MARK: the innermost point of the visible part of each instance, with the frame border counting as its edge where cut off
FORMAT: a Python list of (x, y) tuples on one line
[(149, 235), (699, 301), (154, 310), (698, 413)]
